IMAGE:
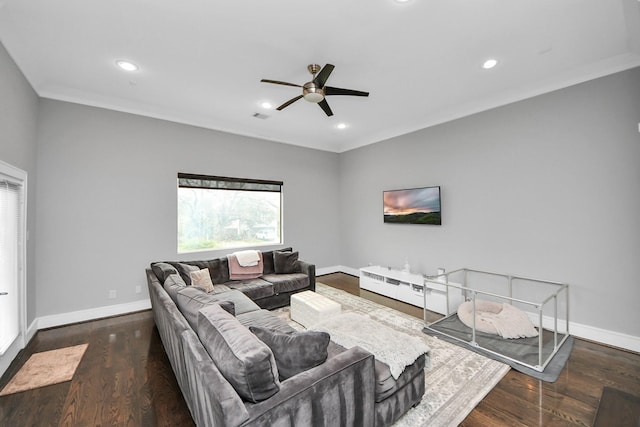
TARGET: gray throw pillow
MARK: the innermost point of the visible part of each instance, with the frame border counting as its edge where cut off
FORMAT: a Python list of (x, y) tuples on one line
[(162, 270), (185, 271), (174, 284), (267, 260), (190, 300), (294, 352), (245, 361), (283, 262)]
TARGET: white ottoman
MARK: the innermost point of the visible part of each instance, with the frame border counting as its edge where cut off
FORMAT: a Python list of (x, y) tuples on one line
[(308, 308)]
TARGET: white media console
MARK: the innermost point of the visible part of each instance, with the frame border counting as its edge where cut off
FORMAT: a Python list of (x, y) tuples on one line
[(410, 288)]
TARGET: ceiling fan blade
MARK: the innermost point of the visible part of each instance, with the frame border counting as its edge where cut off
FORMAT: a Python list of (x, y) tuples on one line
[(277, 82), (289, 102), (323, 75), (325, 106), (328, 90)]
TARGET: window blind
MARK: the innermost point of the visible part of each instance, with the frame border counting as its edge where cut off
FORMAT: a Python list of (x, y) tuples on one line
[(186, 180)]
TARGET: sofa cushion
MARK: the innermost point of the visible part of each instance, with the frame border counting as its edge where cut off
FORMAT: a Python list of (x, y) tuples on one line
[(242, 302), (174, 284), (284, 262), (162, 270), (218, 289), (294, 352), (191, 300), (245, 361), (287, 282), (201, 279), (265, 319), (253, 288)]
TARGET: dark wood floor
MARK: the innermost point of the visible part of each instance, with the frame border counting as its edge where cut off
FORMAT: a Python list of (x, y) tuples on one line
[(125, 379)]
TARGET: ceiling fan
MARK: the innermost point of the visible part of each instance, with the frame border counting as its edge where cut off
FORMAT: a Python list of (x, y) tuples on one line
[(315, 90)]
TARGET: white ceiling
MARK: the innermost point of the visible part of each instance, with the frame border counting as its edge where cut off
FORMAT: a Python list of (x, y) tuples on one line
[(201, 61)]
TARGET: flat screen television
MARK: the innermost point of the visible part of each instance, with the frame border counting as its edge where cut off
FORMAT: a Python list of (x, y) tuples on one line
[(412, 206)]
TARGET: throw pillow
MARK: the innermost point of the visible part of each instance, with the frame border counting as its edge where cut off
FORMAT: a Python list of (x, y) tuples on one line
[(267, 259), (185, 271), (245, 361), (174, 284), (162, 270), (201, 279), (283, 262), (190, 300), (294, 352)]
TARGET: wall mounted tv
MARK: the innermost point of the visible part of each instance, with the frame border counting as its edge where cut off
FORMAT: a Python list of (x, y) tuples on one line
[(412, 206)]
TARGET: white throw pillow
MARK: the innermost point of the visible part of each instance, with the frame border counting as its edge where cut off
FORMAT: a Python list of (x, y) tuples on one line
[(201, 279)]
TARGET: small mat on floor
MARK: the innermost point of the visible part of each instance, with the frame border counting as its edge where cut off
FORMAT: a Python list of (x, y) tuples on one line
[(46, 368)]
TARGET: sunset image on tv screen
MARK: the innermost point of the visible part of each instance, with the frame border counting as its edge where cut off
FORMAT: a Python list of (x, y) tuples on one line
[(413, 206)]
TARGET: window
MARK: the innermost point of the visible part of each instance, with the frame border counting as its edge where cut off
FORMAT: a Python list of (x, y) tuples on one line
[(221, 213)]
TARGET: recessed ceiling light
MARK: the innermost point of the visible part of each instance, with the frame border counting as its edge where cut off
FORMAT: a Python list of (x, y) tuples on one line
[(341, 125), (266, 105), (489, 63), (402, 1), (126, 65)]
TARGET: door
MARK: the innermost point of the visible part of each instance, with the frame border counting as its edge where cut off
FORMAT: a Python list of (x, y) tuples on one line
[(12, 262)]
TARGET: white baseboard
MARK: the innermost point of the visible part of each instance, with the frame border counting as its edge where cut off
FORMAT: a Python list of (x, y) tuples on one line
[(91, 314), (337, 269), (591, 333), (616, 339)]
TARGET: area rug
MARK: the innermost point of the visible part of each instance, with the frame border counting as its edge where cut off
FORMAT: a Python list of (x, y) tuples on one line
[(46, 368), (456, 381)]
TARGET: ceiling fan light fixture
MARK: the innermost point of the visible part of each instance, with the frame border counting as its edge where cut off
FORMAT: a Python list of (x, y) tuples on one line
[(312, 93), (313, 97)]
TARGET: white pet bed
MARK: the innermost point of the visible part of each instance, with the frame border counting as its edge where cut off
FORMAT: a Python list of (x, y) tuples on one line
[(498, 319)]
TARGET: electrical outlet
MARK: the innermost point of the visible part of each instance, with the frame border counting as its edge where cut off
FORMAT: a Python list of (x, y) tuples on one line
[(138, 289), (112, 294)]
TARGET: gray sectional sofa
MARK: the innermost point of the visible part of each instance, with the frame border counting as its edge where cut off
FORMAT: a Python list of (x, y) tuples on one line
[(229, 376), (271, 290)]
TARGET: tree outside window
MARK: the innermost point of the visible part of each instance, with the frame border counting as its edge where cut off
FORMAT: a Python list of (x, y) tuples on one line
[(224, 213)]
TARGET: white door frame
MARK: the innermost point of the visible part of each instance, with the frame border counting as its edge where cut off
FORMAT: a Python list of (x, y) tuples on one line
[(20, 176)]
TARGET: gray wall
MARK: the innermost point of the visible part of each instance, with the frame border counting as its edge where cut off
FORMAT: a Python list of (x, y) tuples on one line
[(18, 124), (546, 187), (107, 198)]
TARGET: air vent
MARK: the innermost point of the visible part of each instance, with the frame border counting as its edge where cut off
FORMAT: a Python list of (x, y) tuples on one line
[(260, 116)]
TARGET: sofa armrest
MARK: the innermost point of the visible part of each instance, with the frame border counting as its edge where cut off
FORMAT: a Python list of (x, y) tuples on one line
[(338, 392), (309, 270)]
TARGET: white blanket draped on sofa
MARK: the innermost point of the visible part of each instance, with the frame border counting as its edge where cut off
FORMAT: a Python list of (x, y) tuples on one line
[(388, 345)]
